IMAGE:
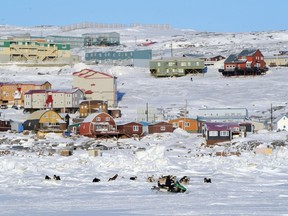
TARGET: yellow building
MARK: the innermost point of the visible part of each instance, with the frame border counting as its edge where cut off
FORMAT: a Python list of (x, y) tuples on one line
[(34, 51), (45, 121)]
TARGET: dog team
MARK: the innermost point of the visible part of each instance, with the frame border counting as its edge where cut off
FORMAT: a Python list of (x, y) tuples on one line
[(161, 180)]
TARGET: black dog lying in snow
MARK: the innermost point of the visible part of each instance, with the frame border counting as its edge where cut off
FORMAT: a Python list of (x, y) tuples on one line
[(133, 178), (96, 180), (207, 180), (55, 177)]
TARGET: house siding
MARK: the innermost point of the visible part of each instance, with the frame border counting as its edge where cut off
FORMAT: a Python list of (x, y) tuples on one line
[(100, 124), (182, 123), (161, 127), (127, 129)]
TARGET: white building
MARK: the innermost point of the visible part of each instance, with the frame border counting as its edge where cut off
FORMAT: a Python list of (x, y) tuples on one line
[(282, 123), (96, 86), (64, 100), (223, 114)]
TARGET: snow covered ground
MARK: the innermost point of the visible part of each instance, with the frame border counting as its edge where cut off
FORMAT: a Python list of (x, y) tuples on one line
[(248, 184)]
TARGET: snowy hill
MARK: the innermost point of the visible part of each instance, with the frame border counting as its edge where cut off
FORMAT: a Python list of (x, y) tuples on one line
[(247, 184)]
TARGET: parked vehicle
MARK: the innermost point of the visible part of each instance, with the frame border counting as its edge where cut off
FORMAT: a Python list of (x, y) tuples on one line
[(4, 106)]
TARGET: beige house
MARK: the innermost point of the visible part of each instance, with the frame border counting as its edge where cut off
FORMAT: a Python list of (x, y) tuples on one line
[(97, 86), (62, 100), (277, 60)]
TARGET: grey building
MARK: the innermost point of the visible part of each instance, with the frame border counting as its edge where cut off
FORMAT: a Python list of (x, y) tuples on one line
[(223, 114), (98, 39)]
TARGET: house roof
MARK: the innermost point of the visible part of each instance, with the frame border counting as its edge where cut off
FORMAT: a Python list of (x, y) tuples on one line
[(90, 117), (280, 117), (247, 52), (220, 126), (42, 91), (178, 59), (25, 83), (182, 118), (88, 73), (233, 58), (38, 114), (162, 122), (92, 102), (126, 123)]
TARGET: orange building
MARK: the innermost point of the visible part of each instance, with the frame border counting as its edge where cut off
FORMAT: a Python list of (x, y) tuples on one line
[(12, 93), (188, 124)]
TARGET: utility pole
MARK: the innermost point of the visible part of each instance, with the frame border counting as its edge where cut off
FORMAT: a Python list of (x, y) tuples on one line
[(171, 50), (185, 115), (271, 118), (147, 112)]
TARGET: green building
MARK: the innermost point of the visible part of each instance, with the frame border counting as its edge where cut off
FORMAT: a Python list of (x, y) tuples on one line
[(72, 40), (176, 66), (137, 58)]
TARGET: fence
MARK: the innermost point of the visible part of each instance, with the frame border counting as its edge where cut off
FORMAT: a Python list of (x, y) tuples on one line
[(113, 26)]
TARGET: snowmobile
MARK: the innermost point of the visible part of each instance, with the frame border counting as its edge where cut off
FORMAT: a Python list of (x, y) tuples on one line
[(173, 188)]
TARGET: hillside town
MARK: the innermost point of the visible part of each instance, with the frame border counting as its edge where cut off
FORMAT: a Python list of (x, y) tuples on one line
[(90, 108)]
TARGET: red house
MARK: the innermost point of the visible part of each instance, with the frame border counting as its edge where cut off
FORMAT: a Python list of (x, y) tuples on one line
[(97, 125), (130, 129), (160, 127), (247, 62)]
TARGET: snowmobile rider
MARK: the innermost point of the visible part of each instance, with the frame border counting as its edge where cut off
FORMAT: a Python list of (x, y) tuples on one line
[(169, 183)]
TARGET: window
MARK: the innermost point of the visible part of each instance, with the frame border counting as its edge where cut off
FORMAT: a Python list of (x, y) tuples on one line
[(98, 119), (158, 64), (187, 124), (135, 128), (183, 64), (213, 133), (224, 133), (162, 128), (171, 63), (107, 118)]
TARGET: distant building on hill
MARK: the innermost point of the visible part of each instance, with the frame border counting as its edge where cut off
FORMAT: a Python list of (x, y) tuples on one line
[(222, 114), (137, 58), (87, 39), (72, 40), (101, 39), (34, 51)]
